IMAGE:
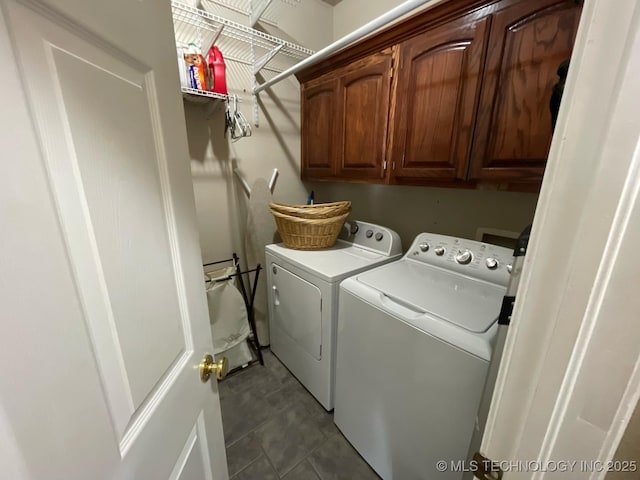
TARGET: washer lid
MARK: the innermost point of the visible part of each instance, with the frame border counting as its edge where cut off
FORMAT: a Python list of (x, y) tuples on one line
[(331, 264), (471, 304)]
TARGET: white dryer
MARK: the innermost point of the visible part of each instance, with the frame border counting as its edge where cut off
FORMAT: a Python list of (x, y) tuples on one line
[(414, 342), (303, 299)]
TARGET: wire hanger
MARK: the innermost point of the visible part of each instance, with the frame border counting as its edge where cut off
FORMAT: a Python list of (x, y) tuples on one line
[(235, 121)]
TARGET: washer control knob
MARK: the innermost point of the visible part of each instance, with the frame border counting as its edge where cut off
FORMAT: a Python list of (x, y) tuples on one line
[(509, 268), (464, 258), (439, 251), (492, 263), (369, 233), (379, 236), (353, 228), (424, 246)]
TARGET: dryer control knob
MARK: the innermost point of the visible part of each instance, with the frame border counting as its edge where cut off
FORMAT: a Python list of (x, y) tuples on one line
[(369, 233), (492, 263), (424, 246), (463, 258), (509, 268), (439, 251), (379, 236)]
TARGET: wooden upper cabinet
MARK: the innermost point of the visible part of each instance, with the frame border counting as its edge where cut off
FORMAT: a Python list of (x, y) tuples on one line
[(438, 87), (363, 106), (345, 121), (467, 105), (319, 130), (528, 42)]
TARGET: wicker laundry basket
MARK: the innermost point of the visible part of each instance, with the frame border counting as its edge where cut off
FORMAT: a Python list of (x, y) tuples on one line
[(306, 227), (319, 210)]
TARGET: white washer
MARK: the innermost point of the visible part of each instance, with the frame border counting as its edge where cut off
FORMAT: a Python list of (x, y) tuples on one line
[(414, 344), (303, 299)]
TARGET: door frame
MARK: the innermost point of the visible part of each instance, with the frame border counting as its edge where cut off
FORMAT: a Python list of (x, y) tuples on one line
[(558, 351)]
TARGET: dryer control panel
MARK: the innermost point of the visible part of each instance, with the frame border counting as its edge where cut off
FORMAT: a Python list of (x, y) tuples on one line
[(371, 237), (468, 257)]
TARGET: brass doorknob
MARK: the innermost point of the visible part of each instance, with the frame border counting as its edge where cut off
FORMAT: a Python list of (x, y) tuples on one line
[(209, 366)]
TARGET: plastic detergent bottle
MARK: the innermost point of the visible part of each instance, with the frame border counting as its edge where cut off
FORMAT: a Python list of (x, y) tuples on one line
[(217, 71)]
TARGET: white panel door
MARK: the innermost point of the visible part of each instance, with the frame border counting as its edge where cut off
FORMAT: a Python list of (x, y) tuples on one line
[(104, 318)]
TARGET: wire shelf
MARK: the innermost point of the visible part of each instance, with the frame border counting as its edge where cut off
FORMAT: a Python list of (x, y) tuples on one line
[(201, 96), (204, 28), (252, 55)]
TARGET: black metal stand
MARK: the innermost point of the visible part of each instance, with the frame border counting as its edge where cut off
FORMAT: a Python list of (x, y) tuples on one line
[(254, 342)]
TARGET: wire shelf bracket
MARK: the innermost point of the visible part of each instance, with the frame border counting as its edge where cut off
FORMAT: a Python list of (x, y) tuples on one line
[(216, 35), (256, 11), (265, 59)]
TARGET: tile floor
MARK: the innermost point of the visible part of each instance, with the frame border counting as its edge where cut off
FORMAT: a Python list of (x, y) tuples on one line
[(275, 430)]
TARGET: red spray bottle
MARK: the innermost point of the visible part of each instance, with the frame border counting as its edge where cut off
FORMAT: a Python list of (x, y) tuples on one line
[(217, 71)]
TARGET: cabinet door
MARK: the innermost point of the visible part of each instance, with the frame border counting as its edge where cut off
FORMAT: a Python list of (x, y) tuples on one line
[(363, 104), (438, 86), (319, 132), (528, 42)]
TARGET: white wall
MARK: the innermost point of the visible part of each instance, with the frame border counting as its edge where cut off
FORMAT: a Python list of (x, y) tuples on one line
[(220, 201), (351, 14), (411, 210)]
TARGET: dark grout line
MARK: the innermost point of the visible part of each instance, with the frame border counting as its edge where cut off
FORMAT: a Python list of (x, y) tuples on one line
[(326, 439), (311, 452), (274, 413), (246, 434), (248, 465), (313, 467), (271, 463)]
